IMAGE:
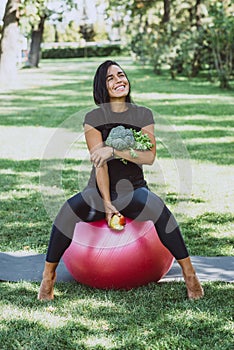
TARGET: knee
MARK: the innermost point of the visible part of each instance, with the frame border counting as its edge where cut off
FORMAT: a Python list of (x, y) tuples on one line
[(166, 221), (65, 216), (155, 209)]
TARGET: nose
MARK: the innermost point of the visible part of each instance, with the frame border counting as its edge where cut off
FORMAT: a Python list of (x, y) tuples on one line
[(117, 79)]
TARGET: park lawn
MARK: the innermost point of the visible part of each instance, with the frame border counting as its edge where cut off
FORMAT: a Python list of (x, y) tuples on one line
[(193, 174), (153, 317)]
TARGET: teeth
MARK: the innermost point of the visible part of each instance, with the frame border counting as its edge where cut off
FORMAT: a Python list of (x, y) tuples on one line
[(119, 88)]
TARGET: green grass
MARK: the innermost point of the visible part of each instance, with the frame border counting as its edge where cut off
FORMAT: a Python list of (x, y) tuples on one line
[(193, 174), (148, 318)]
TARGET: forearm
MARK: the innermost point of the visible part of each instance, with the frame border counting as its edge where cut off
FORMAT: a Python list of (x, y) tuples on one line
[(103, 182), (99, 156), (142, 157)]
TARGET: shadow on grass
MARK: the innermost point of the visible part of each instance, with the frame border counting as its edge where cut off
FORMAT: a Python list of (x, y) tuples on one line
[(33, 335), (206, 134), (156, 316), (49, 110), (218, 153), (48, 105), (50, 117), (164, 84), (70, 87), (173, 198), (25, 223), (136, 72), (176, 111), (201, 234)]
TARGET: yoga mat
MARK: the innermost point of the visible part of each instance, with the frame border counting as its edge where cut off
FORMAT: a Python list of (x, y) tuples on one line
[(22, 266)]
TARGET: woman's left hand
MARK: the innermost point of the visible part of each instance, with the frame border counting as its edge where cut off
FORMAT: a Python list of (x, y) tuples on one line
[(100, 156)]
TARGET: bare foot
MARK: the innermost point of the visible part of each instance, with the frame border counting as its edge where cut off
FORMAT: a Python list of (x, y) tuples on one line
[(194, 288), (46, 291)]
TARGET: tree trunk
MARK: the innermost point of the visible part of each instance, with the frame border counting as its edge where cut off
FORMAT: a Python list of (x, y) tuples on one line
[(35, 47), (9, 44), (56, 34), (196, 63), (167, 8), (222, 73), (198, 13)]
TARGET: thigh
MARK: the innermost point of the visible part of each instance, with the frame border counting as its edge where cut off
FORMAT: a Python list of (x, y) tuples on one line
[(84, 206), (141, 204), (87, 205)]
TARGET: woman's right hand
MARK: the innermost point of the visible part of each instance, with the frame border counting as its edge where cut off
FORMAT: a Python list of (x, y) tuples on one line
[(101, 155), (110, 211)]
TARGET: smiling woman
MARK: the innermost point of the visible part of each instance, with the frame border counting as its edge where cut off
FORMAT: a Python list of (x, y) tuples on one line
[(116, 187), (117, 83), (111, 83)]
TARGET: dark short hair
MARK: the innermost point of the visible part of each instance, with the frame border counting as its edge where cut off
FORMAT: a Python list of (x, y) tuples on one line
[(100, 93)]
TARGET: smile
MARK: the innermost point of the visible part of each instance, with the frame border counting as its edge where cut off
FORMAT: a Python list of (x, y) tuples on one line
[(120, 88)]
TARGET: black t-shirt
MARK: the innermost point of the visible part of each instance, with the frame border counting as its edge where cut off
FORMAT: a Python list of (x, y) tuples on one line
[(136, 117)]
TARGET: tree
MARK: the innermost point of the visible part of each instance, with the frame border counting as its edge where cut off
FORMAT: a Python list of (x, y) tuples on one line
[(33, 15), (37, 12), (35, 46), (220, 33), (183, 36), (9, 43)]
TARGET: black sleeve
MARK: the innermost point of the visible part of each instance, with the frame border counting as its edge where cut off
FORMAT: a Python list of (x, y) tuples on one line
[(142, 116), (94, 118), (148, 117)]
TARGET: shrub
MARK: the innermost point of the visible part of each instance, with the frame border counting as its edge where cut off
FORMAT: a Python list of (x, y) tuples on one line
[(88, 51)]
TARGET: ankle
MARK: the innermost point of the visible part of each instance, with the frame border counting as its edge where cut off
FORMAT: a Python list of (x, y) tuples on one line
[(187, 267), (49, 271), (189, 272), (46, 291), (48, 276)]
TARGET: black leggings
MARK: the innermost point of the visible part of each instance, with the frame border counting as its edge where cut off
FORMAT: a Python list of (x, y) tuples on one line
[(140, 204)]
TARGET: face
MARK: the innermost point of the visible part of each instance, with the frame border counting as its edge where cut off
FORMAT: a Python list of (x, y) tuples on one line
[(117, 83)]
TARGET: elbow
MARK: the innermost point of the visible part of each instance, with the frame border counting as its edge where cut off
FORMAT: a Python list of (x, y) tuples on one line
[(150, 162), (152, 156), (150, 159)]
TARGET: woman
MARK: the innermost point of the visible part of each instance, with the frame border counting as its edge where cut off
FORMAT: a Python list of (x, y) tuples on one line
[(116, 187)]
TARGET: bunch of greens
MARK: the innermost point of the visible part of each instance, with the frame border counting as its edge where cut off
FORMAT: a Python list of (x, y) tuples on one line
[(122, 138)]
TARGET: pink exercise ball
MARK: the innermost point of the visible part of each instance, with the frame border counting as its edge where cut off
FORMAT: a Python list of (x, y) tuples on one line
[(107, 259)]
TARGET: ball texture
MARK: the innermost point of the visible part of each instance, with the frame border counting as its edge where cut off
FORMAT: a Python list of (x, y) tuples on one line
[(107, 259)]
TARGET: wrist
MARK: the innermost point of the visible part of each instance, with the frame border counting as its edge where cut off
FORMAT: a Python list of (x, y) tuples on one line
[(112, 152), (107, 203)]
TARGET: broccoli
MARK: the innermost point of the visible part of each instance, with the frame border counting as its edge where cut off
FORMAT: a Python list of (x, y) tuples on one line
[(121, 139)]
